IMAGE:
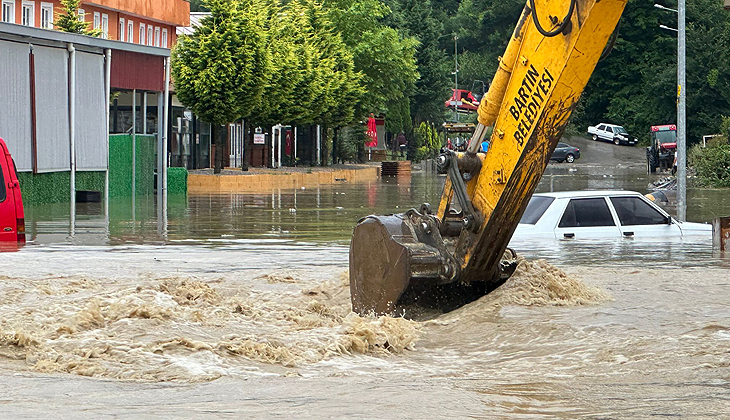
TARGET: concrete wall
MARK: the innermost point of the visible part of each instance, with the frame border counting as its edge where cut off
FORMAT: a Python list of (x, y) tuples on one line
[(255, 183)]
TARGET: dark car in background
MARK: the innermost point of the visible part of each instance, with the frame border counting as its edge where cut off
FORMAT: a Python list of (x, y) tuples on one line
[(565, 153)]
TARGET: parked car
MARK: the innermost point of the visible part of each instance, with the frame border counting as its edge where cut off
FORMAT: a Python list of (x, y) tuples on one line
[(612, 133), (601, 215), (12, 218), (565, 152)]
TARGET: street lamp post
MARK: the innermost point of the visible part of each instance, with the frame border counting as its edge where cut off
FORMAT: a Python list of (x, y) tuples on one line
[(681, 117), (681, 108)]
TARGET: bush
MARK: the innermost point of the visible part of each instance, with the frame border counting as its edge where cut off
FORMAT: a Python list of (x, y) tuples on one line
[(712, 163), (427, 142)]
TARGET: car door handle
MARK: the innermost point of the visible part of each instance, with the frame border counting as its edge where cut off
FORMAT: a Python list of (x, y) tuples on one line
[(569, 235), (7, 229), (628, 233)]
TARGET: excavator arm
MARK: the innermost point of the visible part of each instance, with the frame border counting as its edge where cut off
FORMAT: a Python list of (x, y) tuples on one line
[(460, 251)]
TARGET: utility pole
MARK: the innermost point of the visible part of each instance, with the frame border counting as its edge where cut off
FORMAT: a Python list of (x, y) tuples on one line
[(681, 116), (681, 108), (456, 75)]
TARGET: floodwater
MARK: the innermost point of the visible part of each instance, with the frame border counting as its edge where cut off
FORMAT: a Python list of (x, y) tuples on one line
[(238, 307)]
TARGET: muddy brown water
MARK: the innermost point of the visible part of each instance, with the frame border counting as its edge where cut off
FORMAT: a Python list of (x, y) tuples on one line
[(240, 308)]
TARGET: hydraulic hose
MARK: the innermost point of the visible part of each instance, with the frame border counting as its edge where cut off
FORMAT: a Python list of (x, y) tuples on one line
[(560, 28)]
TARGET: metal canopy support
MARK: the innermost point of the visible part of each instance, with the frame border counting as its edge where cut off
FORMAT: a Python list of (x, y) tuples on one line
[(144, 113), (134, 149), (319, 146), (281, 128), (72, 135), (108, 72)]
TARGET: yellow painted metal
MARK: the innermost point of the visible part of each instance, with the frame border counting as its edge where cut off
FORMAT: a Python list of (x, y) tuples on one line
[(537, 86)]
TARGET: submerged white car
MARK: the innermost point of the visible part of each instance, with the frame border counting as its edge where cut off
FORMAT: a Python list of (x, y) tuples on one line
[(601, 215)]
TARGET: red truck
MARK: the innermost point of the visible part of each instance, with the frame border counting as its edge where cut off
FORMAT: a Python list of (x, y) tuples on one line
[(661, 153), (12, 218)]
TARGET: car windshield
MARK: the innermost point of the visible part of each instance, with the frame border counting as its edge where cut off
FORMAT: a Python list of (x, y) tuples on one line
[(535, 209), (669, 136), (619, 130)]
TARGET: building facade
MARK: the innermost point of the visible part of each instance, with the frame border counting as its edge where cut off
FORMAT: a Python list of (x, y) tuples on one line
[(143, 22)]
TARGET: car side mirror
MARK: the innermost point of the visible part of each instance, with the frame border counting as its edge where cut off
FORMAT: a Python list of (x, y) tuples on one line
[(668, 220)]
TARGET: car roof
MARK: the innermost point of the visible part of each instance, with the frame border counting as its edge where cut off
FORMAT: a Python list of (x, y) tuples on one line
[(586, 194), (609, 125)]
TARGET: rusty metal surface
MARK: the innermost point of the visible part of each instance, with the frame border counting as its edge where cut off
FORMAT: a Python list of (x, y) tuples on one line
[(721, 233)]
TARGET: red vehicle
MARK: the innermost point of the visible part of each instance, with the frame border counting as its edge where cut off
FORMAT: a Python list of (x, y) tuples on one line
[(463, 100), (661, 153), (12, 218)]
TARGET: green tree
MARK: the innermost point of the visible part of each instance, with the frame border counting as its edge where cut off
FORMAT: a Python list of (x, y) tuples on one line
[(68, 20), (383, 55), (197, 6), (416, 19), (221, 69)]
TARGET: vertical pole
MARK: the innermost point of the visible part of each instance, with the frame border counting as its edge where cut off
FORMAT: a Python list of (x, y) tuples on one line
[(134, 149), (319, 146), (108, 91), (160, 166), (681, 117), (273, 144), (144, 113), (166, 100), (72, 134), (456, 74), (296, 130), (281, 129)]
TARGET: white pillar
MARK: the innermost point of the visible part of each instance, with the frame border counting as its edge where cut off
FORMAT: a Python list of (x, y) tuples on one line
[(72, 135), (144, 113), (134, 148), (273, 140), (281, 128), (294, 153), (108, 91), (319, 146), (164, 128)]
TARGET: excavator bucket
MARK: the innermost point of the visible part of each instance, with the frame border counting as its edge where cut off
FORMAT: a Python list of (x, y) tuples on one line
[(385, 254)]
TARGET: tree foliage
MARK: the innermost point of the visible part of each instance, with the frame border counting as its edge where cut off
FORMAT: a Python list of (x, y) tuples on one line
[(68, 20), (221, 69)]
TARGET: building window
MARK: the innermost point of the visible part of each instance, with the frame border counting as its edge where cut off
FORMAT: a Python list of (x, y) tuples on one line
[(47, 15), (97, 20), (82, 15), (142, 32), (150, 39), (157, 36), (130, 31), (122, 29), (105, 26), (164, 39), (28, 13), (9, 11)]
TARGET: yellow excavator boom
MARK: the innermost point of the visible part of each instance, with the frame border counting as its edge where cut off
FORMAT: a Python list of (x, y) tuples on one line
[(548, 61)]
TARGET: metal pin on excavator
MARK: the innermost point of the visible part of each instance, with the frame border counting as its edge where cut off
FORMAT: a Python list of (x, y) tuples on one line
[(461, 249)]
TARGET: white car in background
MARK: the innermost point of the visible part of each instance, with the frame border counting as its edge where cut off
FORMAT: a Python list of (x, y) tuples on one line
[(601, 215), (613, 133)]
